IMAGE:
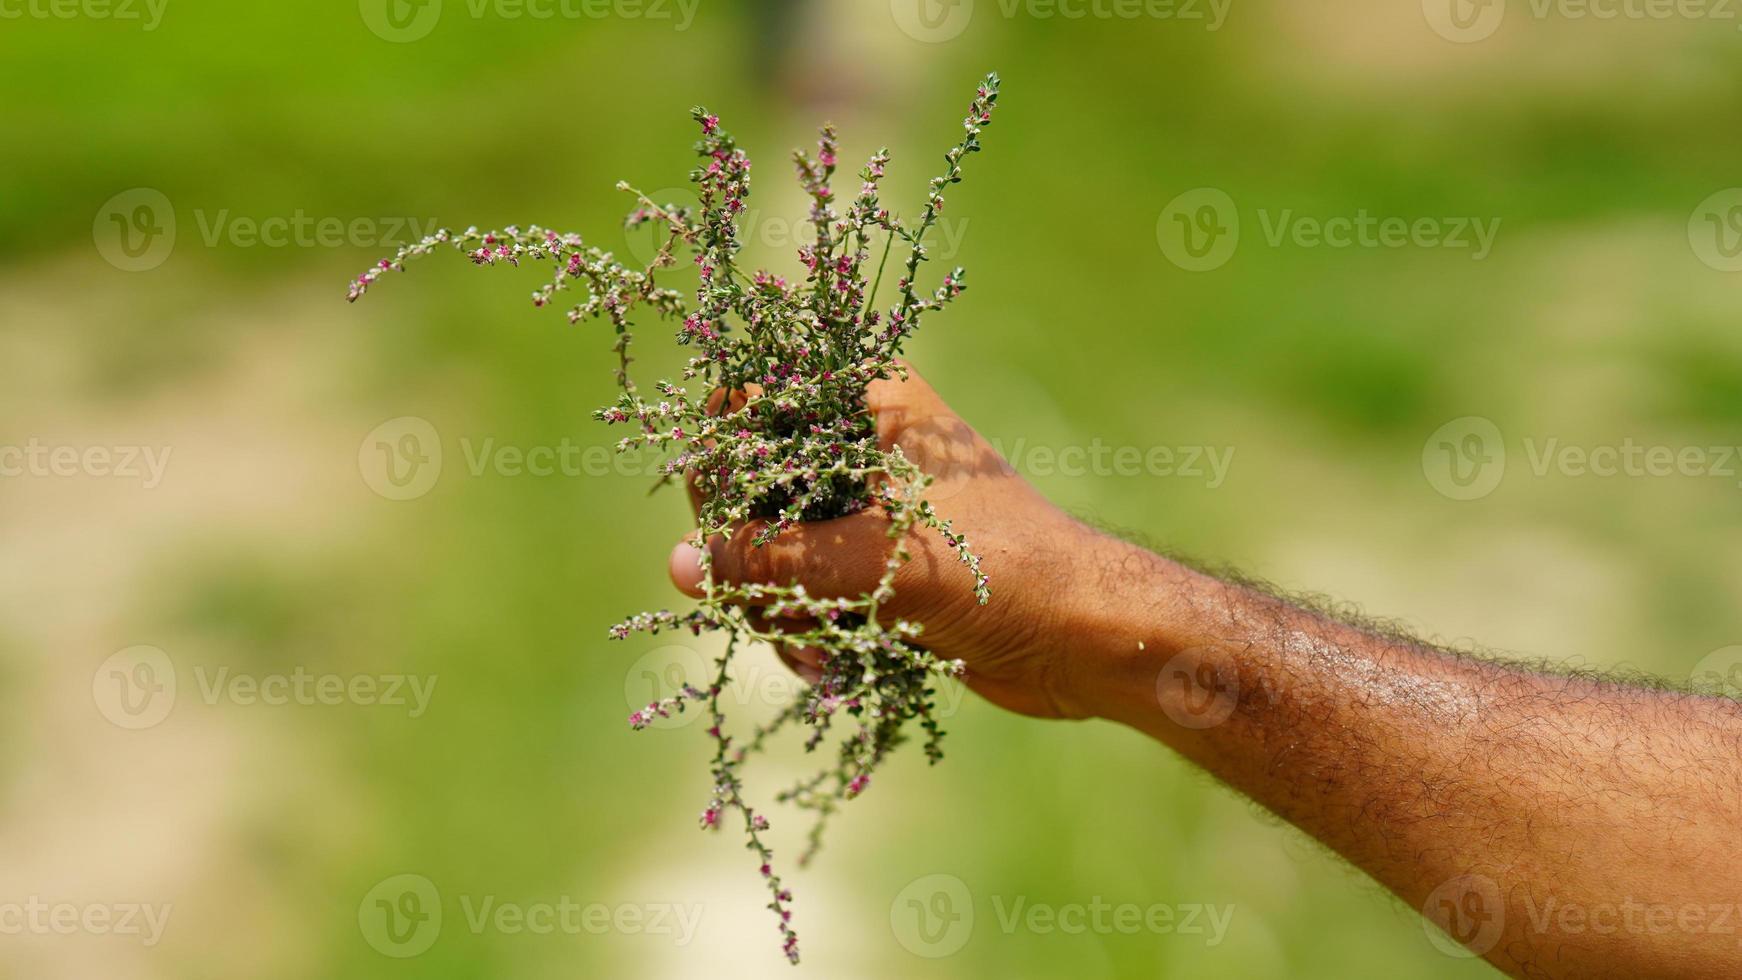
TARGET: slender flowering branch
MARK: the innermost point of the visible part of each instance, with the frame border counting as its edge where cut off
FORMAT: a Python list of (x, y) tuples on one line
[(904, 318), (768, 420)]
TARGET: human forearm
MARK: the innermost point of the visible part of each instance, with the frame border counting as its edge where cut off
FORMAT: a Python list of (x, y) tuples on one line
[(1435, 773), (1552, 823)]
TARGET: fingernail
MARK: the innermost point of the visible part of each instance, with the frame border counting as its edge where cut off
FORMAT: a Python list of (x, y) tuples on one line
[(685, 567)]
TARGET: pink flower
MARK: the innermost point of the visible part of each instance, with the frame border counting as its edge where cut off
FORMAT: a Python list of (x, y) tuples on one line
[(805, 451)]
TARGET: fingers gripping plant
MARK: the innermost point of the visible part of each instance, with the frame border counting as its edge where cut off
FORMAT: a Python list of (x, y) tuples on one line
[(771, 428)]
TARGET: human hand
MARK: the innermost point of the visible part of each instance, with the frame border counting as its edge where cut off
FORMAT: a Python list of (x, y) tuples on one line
[(1017, 647)]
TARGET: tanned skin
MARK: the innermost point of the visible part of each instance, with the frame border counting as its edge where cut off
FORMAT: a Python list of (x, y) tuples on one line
[(1558, 826)]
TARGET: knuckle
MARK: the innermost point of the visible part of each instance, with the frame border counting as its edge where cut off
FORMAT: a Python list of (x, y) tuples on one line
[(756, 564)]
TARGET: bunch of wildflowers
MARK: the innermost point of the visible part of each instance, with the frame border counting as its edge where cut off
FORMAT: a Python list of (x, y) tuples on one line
[(769, 424)]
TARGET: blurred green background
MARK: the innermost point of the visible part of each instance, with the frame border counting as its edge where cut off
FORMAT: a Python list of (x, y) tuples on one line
[(271, 548)]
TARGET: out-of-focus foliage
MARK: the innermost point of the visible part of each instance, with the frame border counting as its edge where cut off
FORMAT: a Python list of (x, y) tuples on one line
[(271, 548)]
